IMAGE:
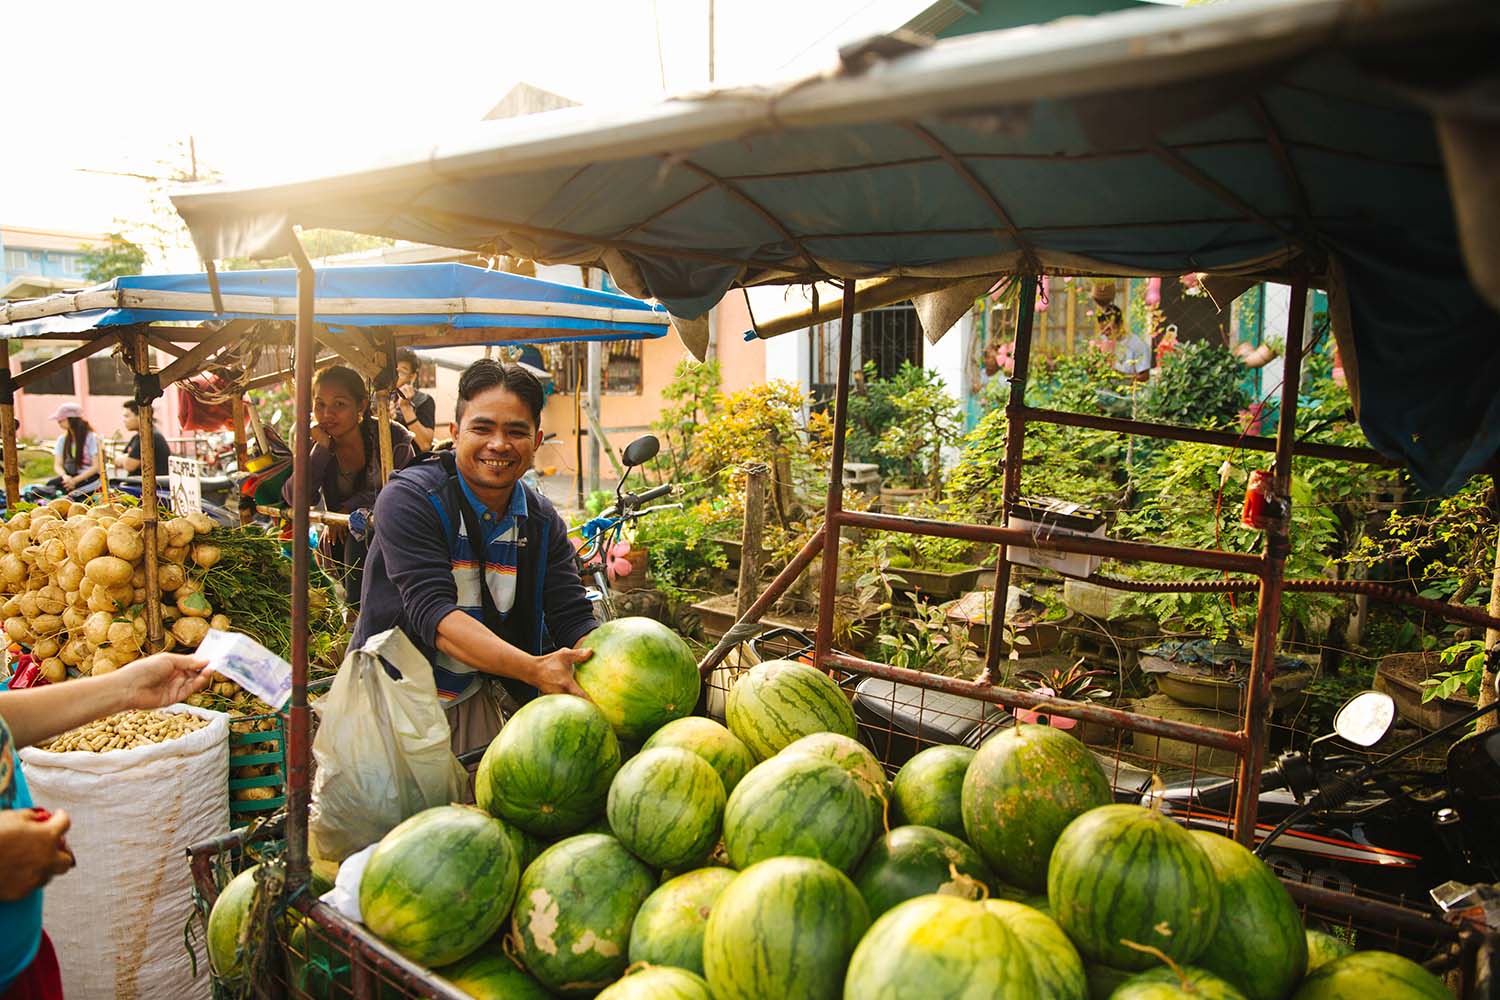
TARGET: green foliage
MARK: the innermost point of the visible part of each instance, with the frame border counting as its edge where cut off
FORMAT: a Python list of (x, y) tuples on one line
[(117, 258), (1466, 678), (1439, 544), (927, 641), (692, 399), (874, 408), (926, 420), (37, 467), (1199, 385), (684, 558), (1073, 683)]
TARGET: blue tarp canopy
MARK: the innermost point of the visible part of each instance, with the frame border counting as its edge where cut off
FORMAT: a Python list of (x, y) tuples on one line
[(470, 304), (1347, 142)]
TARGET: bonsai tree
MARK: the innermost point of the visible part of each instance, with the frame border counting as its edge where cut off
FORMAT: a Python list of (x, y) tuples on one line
[(926, 420)]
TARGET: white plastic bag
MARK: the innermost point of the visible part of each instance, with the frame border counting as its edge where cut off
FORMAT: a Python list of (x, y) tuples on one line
[(117, 919), (382, 751)]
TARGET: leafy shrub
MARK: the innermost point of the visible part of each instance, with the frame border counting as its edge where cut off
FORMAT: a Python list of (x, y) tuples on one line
[(1199, 385)]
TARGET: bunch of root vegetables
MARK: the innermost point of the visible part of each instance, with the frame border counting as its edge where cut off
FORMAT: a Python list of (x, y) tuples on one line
[(74, 581)]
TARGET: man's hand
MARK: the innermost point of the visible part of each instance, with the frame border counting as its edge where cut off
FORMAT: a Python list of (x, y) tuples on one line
[(31, 851), (162, 679), (553, 673)]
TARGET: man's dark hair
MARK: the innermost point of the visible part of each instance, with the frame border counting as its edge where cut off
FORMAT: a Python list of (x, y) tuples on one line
[(408, 357), (487, 373), (132, 406)]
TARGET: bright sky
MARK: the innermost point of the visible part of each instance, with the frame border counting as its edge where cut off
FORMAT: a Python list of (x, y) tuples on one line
[(274, 87)]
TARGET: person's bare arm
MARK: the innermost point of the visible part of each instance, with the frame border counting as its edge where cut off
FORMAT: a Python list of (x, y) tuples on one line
[(38, 714), (129, 464), (421, 435), (466, 639)]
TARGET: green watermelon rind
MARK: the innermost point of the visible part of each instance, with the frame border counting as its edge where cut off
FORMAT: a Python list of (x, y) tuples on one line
[(725, 752), (1024, 786), (783, 928), (1323, 948), (939, 946), (856, 759), (439, 884), (574, 909), (658, 983), (224, 922), (1365, 975), (913, 861), (1126, 873), (1166, 984), (489, 974), (1259, 943), (779, 701), (1055, 963), (549, 769), (641, 676), (803, 806), (667, 806), (928, 790), (669, 926)]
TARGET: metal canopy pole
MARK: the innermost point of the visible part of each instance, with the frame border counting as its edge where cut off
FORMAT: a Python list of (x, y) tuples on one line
[(8, 430), (1015, 442), (299, 750), (1273, 569), (834, 511)]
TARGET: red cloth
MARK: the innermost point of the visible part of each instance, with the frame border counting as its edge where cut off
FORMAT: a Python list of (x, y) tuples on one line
[(42, 979)]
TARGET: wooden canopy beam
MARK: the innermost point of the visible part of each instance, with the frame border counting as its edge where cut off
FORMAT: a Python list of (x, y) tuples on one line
[(192, 362), (51, 365)]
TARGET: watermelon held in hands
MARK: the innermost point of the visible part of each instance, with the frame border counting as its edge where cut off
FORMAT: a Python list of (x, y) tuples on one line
[(1124, 873), (669, 926), (1185, 981), (1259, 943), (780, 701), (1023, 787), (939, 946), (489, 974), (1324, 948), (854, 758), (658, 983), (783, 928), (723, 750), (439, 884), (798, 805), (225, 921), (1055, 963), (928, 790), (666, 806), (913, 861), (642, 675), (1365, 975), (574, 909), (549, 770)]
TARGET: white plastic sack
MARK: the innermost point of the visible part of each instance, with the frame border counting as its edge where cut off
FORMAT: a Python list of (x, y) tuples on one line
[(382, 751), (117, 919)]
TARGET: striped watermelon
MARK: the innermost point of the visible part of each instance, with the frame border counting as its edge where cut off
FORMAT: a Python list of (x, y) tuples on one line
[(783, 928), (549, 770), (574, 908), (1324, 948), (709, 740), (1023, 787), (642, 675), (853, 757), (1055, 963), (939, 946), (799, 805), (526, 846), (224, 923), (1186, 981), (1103, 981), (913, 861), (1366, 975), (658, 983), (1259, 943), (489, 974), (668, 928), (779, 701), (928, 790), (666, 806), (1126, 873), (440, 884)]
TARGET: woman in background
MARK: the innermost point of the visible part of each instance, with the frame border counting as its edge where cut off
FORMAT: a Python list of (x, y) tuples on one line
[(75, 458)]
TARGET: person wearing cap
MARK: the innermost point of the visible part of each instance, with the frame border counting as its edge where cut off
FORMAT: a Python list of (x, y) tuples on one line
[(75, 458)]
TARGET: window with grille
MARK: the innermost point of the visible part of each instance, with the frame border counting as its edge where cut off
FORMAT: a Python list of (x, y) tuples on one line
[(889, 337), (622, 366)]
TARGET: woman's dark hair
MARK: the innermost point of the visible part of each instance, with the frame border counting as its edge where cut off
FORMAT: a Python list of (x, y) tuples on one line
[(78, 439), (487, 373), (408, 357), (349, 381)]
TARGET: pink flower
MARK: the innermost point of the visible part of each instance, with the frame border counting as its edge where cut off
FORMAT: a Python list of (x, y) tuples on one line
[(1153, 291)]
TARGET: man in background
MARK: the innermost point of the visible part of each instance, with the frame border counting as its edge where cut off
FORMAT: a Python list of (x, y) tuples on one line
[(411, 406), (131, 462)]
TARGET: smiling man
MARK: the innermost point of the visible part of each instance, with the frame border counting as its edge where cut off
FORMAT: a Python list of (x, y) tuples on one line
[(474, 565)]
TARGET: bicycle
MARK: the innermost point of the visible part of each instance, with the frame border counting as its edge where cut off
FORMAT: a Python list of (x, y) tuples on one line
[(602, 533)]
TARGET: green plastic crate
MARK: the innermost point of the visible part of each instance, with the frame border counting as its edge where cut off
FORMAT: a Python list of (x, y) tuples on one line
[(264, 747)]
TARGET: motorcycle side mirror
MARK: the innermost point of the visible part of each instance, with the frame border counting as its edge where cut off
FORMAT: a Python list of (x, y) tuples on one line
[(642, 450), (1365, 719)]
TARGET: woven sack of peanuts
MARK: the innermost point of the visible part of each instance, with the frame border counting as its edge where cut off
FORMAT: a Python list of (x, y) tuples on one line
[(140, 787)]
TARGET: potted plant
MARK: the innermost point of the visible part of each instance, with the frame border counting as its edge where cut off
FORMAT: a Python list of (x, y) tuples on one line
[(1071, 683)]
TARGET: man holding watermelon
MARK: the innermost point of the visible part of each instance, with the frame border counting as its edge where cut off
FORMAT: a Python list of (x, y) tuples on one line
[(475, 566)]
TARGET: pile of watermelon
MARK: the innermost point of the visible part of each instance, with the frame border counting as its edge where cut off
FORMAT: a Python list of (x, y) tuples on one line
[(772, 859)]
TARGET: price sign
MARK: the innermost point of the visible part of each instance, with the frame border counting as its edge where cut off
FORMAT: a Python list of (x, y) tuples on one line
[(182, 478)]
